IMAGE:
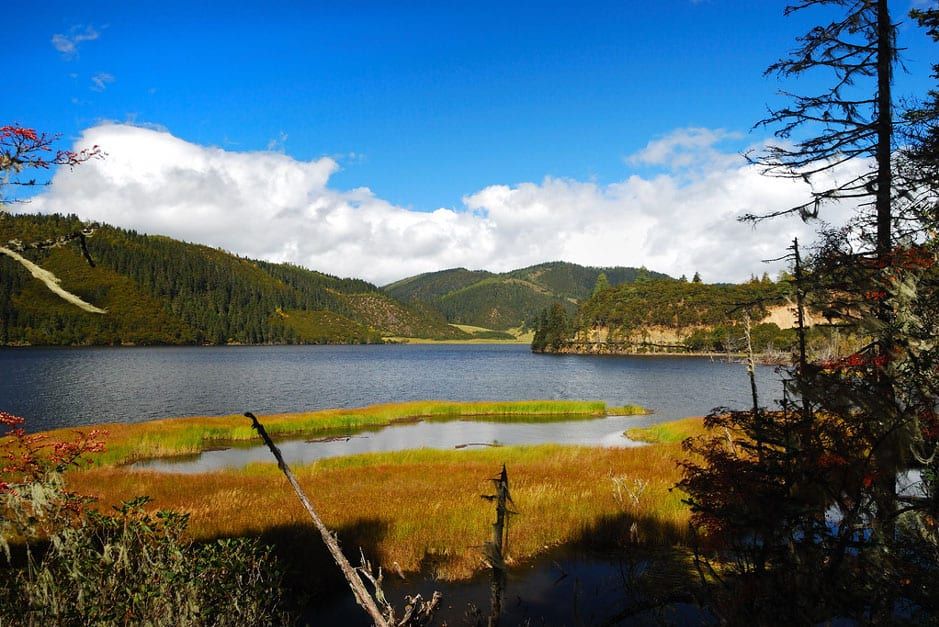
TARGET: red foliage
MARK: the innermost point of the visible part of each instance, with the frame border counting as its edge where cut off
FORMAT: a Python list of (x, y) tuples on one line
[(23, 148), (10, 420), (27, 134), (829, 460), (854, 361), (27, 456), (929, 424)]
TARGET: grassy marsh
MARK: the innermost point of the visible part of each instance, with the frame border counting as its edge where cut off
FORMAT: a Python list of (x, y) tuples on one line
[(185, 436), (421, 508)]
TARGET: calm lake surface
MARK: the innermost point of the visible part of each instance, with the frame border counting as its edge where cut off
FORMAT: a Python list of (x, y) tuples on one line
[(57, 387)]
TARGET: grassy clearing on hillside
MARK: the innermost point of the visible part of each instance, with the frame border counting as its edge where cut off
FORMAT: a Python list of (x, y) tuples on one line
[(421, 340), (184, 436), (421, 508), (326, 327)]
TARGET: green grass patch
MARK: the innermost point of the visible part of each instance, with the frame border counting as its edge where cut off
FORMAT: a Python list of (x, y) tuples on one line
[(667, 432)]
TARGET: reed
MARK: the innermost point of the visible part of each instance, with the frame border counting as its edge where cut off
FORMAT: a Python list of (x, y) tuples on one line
[(667, 432), (421, 508)]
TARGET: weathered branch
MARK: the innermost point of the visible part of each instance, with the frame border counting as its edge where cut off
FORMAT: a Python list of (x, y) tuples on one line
[(362, 596), (417, 611)]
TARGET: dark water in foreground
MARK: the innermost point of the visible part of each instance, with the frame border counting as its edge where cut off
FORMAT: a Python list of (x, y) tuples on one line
[(566, 587), (64, 387)]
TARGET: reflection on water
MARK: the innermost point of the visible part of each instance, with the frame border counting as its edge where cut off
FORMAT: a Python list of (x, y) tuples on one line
[(64, 387), (606, 431), (565, 588)]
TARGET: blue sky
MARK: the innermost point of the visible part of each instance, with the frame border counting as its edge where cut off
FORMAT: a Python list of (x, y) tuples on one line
[(423, 103)]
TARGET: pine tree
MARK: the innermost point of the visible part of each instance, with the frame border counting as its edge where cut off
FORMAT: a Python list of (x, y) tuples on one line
[(602, 284), (847, 426)]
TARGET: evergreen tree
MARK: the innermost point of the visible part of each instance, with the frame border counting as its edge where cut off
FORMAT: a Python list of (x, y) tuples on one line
[(554, 328), (602, 284), (804, 499)]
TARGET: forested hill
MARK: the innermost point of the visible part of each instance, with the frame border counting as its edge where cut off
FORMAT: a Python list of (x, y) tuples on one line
[(510, 299), (157, 290), (672, 316)]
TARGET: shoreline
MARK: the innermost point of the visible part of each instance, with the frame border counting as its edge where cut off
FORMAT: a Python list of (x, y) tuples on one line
[(774, 359), (390, 341)]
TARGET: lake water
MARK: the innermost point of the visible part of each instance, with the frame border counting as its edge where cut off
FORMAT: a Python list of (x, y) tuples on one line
[(56, 387)]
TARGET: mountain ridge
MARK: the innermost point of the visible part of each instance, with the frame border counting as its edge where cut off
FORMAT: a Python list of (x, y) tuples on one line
[(158, 290), (512, 299)]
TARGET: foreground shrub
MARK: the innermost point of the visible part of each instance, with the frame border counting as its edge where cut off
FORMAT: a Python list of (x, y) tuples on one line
[(69, 565)]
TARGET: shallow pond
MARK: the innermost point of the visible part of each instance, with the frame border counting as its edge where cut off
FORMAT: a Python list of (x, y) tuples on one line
[(461, 434)]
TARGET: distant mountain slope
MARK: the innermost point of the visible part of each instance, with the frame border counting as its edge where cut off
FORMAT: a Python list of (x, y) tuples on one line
[(577, 282), (433, 285), (511, 299), (159, 290)]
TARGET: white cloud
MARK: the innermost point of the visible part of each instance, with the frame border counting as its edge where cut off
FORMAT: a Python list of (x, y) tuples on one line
[(686, 148), (269, 205), (101, 80), (68, 44)]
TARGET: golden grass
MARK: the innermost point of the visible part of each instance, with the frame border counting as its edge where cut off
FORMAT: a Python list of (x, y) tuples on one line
[(422, 508), (185, 436), (627, 410)]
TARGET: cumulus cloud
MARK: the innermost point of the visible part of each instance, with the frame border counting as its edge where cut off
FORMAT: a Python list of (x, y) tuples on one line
[(271, 206), (68, 44)]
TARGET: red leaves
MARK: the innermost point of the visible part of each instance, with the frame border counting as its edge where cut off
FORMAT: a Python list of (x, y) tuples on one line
[(855, 361), (23, 148), (913, 258), (8, 419), (30, 455), (929, 424), (27, 134), (829, 461)]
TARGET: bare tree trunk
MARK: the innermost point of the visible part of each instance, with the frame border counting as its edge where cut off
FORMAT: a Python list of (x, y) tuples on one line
[(362, 596), (495, 550), (885, 54), (887, 458)]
